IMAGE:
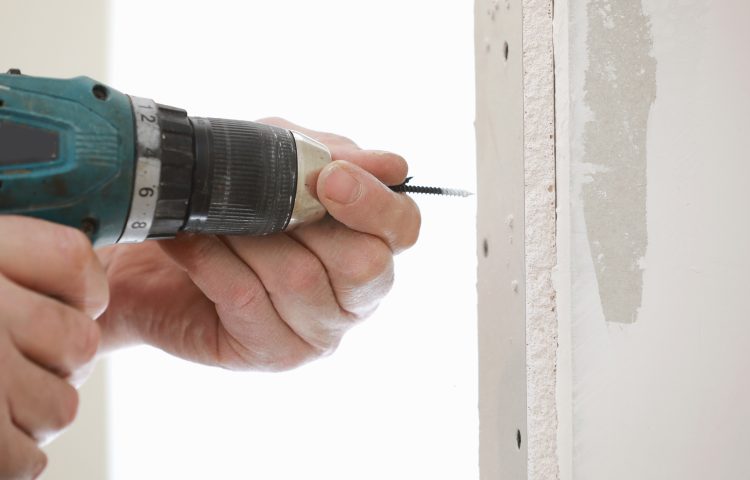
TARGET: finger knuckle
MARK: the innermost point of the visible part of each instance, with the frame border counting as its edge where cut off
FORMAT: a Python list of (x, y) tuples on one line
[(243, 296), (40, 462), (306, 275), (278, 121), (373, 261), (66, 408), (90, 343), (75, 246), (78, 334), (327, 348), (324, 341), (410, 234), (97, 302), (337, 140), (401, 166), (289, 359), (21, 460)]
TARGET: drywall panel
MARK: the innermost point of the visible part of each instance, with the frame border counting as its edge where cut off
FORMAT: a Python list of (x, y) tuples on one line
[(500, 236), (516, 171), (64, 39), (652, 109)]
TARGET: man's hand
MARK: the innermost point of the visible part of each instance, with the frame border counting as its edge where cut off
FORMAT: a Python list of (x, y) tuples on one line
[(52, 286), (270, 303)]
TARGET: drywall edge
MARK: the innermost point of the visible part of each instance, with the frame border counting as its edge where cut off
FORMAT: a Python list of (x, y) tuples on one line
[(539, 245), (561, 277)]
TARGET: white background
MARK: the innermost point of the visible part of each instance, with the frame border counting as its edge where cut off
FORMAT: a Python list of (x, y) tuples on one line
[(398, 400)]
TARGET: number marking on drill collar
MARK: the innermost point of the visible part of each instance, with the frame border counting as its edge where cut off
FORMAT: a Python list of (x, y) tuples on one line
[(147, 171)]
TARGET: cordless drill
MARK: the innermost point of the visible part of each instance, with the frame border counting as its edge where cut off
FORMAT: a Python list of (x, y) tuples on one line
[(126, 169)]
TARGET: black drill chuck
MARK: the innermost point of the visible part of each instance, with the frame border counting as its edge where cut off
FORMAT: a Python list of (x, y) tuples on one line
[(245, 178), (228, 177)]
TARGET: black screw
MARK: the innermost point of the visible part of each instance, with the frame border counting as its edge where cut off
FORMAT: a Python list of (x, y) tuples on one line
[(89, 226), (506, 50), (405, 188), (518, 439), (418, 189), (100, 92), (486, 248)]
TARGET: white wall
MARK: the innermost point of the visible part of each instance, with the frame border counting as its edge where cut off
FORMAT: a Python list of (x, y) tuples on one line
[(64, 39), (653, 101), (399, 398)]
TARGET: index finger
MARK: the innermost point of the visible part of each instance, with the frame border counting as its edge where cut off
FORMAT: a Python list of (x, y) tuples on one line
[(54, 260), (388, 167), (360, 201)]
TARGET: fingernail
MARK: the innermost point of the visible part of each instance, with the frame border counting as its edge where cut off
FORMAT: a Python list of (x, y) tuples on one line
[(342, 187)]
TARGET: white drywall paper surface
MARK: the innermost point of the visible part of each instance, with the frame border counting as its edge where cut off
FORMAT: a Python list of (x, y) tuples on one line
[(661, 392), (500, 237), (65, 39)]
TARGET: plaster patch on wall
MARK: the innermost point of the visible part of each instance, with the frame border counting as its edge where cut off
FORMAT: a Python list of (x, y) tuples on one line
[(620, 88)]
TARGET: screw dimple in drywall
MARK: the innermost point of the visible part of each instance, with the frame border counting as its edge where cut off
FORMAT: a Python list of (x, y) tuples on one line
[(506, 50), (486, 248), (492, 11)]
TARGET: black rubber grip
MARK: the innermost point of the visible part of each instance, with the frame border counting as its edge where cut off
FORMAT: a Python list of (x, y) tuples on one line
[(245, 178)]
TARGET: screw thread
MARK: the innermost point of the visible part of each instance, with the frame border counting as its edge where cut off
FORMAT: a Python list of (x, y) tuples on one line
[(405, 188)]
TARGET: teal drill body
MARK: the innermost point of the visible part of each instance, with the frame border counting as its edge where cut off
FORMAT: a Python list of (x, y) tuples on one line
[(125, 169), (67, 153)]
